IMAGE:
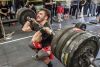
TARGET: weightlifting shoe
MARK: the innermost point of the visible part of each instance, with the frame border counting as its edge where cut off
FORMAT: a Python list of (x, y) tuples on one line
[(50, 65)]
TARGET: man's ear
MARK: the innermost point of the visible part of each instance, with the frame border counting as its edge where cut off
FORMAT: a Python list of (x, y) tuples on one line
[(46, 17)]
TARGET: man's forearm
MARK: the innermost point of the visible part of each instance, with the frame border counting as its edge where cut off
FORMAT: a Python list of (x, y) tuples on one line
[(26, 27), (2, 13), (37, 37)]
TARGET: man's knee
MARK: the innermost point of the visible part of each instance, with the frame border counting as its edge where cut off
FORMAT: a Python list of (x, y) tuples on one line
[(31, 46), (42, 54)]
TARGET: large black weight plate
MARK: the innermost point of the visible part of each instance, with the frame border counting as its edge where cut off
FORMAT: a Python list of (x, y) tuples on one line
[(23, 13), (58, 35), (63, 40), (73, 35), (55, 39), (73, 41)]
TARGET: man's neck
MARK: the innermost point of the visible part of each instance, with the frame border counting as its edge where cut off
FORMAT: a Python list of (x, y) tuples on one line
[(43, 22)]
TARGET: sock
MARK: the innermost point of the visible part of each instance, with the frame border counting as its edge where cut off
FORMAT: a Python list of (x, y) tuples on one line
[(50, 64)]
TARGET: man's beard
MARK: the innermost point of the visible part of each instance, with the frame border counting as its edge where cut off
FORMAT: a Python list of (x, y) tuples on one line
[(40, 20)]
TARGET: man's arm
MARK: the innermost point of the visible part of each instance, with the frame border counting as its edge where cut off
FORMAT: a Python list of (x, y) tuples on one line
[(37, 37), (3, 13), (26, 27)]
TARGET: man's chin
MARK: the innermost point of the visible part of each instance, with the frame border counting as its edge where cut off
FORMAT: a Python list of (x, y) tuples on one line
[(38, 20)]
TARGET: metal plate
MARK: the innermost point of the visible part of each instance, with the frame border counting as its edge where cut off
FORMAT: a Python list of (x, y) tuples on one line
[(67, 44), (58, 35), (63, 40), (55, 39), (72, 44), (75, 42), (19, 12), (23, 13)]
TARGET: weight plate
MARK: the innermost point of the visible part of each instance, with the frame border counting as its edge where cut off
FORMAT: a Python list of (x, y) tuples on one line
[(63, 40), (67, 44), (23, 13), (57, 36)]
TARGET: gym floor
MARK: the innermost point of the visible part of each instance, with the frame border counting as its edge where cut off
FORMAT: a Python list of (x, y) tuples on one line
[(15, 52)]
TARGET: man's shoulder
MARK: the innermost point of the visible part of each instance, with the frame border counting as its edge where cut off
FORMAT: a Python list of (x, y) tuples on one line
[(6, 6), (47, 24)]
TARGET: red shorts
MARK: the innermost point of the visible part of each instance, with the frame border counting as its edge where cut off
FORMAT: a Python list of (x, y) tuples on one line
[(47, 49)]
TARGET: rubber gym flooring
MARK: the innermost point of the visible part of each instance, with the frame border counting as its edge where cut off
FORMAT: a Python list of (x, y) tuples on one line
[(15, 52)]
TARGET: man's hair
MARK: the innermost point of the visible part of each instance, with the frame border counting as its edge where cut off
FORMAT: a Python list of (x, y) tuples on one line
[(47, 12)]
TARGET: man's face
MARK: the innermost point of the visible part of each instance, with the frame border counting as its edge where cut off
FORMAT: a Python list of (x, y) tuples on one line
[(41, 16), (3, 3)]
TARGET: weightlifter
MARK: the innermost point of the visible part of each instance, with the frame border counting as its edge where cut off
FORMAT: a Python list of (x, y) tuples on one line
[(41, 40), (42, 18)]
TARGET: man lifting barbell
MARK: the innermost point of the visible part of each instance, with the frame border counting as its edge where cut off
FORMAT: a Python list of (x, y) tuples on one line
[(41, 40), (42, 18)]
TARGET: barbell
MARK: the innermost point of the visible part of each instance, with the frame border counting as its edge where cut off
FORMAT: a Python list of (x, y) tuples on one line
[(72, 46)]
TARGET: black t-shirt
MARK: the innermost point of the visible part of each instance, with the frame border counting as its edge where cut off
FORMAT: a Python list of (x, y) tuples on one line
[(46, 39), (4, 9), (48, 6)]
